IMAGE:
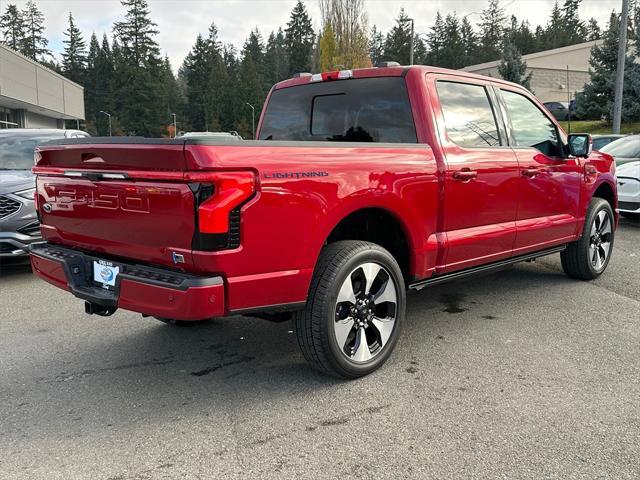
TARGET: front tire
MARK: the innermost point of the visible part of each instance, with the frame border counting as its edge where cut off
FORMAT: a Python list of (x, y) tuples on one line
[(588, 257), (354, 311)]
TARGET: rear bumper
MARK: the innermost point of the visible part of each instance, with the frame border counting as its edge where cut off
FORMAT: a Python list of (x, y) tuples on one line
[(148, 290)]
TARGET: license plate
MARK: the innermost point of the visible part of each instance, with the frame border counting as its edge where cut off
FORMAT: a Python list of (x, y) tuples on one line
[(105, 273)]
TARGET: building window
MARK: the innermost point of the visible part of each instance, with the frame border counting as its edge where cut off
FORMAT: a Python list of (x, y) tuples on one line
[(8, 118)]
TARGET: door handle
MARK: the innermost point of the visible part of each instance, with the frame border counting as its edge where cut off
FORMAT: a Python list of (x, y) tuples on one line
[(465, 175), (530, 172)]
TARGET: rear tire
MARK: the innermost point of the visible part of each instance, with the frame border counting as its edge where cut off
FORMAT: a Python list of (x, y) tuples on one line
[(588, 257), (354, 311)]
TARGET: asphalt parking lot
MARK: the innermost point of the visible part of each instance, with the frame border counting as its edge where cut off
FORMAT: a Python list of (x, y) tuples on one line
[(522, 374)]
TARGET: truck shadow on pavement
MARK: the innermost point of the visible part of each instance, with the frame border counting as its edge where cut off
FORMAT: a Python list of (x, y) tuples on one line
[(253, 358)]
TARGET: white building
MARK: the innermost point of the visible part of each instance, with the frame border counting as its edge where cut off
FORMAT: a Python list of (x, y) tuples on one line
[(555, 72), (33, 96)]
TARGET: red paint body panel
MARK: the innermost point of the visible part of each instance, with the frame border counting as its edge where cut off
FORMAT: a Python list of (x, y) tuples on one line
[(194, 303), (448, 224)]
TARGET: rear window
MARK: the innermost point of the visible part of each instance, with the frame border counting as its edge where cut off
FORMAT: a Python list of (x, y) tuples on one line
[(362, 110)]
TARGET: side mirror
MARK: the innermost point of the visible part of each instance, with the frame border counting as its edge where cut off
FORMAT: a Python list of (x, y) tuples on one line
[(580, 144)]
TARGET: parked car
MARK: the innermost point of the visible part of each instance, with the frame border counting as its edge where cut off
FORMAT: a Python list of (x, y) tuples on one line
[(600, 141), (363, 184), (624, 150), (561, 110), (628, 176), (233, 135), (19, 225)]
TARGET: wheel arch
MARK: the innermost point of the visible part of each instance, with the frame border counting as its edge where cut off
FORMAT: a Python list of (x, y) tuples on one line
[(379, 225)]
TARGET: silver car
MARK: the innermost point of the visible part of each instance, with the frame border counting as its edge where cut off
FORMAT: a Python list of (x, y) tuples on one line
[(629, 190), (19, 224)]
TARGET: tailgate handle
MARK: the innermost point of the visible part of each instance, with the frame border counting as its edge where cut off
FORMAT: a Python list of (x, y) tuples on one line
[(95, 176)]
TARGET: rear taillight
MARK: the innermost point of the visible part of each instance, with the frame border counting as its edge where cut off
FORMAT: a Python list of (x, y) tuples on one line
[(219, 197), (230, 190)]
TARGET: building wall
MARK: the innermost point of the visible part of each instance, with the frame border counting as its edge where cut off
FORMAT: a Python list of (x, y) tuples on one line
[(33, 120), (549, 85), (27, 85)]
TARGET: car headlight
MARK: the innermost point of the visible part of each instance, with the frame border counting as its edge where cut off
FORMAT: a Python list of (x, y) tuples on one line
[(28, 193)]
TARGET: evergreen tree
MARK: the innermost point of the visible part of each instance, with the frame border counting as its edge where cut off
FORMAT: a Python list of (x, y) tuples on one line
[(469, 43), (34, 44), (276, 64), (596, 100), (74, 57), (299, 39), (90, 81), (452, 53), (575, 29), (398, 41), (251, 86), (593, 29), (491, 31), (195, 72), (512, 68), (141, 73), (521, 36), (435, 41), (13, 27), (376, 46)]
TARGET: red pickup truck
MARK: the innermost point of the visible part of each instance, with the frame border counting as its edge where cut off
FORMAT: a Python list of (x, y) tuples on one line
[(362, 184)]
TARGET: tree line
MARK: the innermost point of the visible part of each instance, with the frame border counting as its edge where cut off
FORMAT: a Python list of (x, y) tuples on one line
[(217, 85)]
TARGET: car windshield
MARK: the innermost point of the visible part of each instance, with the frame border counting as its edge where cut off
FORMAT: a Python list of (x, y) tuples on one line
[(16, 150), (627, 147)]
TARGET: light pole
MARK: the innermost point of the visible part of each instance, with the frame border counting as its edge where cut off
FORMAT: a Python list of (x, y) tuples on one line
[(175, 125), (253, 120), (412, 46), (108, 115), (622, 55)]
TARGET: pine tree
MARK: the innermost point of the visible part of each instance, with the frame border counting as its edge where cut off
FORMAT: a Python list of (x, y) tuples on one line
[(13, 27), (596, 100), (436, 41), (90, 96), (512, 68), (452, 54), (74, 57), (398, 41), (469, 42), (34, 44), (574, 28), (491, 31), (593, 29), (521, 36), (376, 45), (141, 73), (299, 39), (251, 88), (195, 72), (276, 64)]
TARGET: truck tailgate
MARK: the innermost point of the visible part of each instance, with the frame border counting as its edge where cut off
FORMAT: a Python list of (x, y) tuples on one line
[(123, 200)]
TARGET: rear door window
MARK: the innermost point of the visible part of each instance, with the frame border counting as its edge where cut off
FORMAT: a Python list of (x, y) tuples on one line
[(360, 110), (468, 116)]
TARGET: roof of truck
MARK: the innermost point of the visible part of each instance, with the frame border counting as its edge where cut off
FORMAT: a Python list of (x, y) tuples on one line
[(385, 71)]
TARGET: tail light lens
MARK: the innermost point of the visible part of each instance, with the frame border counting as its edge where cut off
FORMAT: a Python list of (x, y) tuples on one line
[(219, 197), (230, 190)]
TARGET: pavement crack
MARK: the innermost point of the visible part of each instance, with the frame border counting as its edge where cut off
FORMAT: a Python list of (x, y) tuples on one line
[(208, 370)]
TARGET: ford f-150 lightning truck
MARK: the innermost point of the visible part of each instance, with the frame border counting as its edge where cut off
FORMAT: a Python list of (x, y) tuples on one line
[(360, 186)]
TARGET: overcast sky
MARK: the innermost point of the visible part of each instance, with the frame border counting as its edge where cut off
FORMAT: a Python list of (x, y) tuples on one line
[(179, 21)]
